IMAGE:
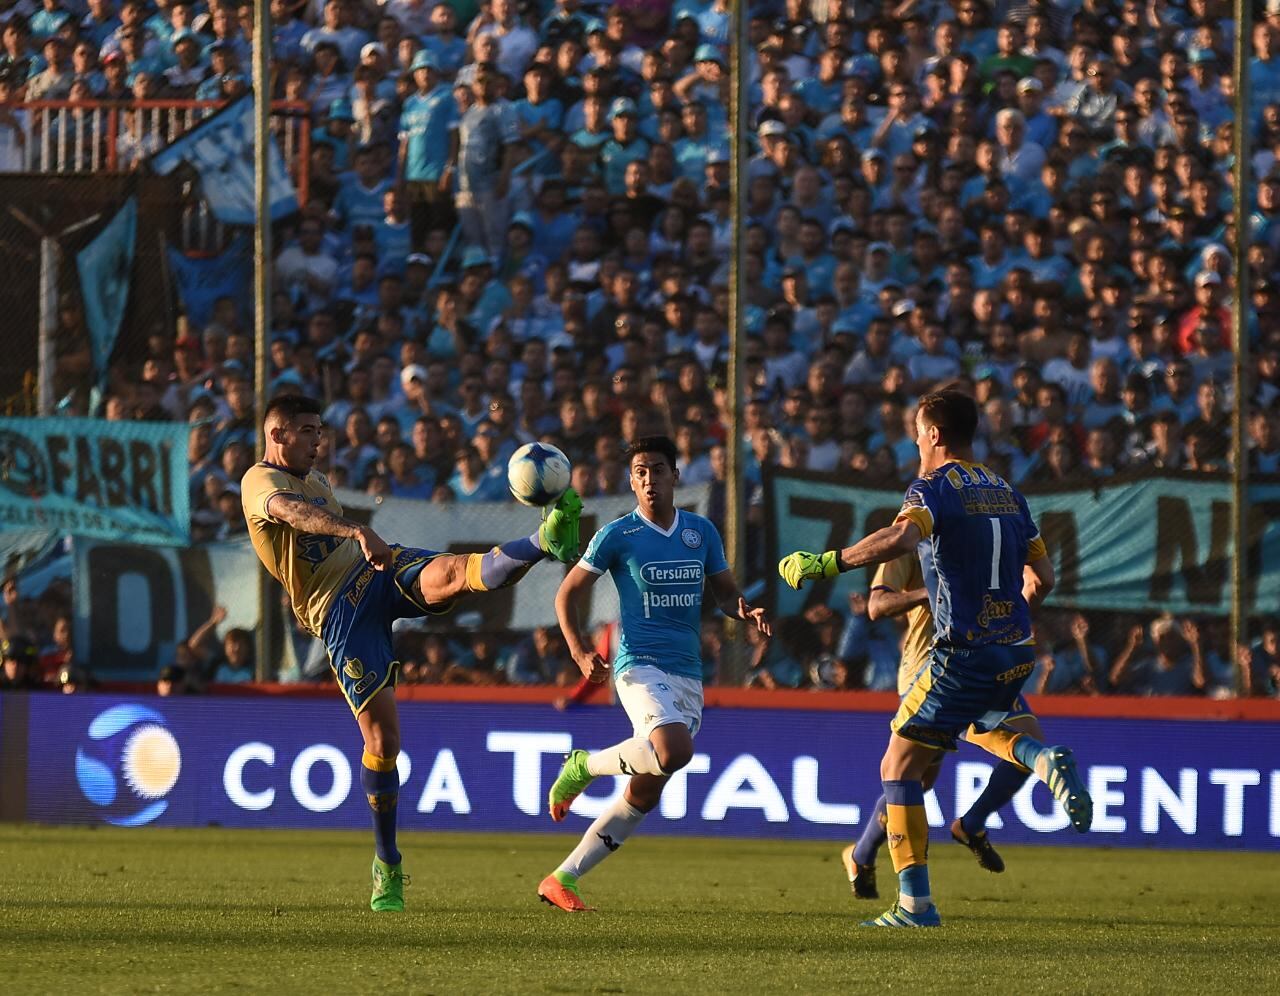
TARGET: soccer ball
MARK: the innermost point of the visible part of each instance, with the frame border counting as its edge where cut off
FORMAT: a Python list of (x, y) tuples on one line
[(537, 474)]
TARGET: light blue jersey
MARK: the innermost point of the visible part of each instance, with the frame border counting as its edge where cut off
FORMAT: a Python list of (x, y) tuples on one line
[(660, 577)]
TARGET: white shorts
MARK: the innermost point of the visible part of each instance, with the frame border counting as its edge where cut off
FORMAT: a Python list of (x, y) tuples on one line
[(654, 698)]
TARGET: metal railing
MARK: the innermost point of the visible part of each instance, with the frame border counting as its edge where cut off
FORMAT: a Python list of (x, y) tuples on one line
[(63, 136)]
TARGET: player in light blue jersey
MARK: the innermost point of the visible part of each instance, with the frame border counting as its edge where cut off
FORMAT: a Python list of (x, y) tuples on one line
[(979, 536), (660, 558)]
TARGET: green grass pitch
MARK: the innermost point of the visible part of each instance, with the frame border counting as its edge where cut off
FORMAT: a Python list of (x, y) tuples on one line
[(181, 911)]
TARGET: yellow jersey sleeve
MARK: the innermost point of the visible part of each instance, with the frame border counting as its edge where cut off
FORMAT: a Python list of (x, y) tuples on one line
[(1036, 549), (899, 575), (259, 485)]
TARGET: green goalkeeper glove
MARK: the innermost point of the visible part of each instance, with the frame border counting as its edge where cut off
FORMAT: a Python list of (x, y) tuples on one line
[(801, 566)]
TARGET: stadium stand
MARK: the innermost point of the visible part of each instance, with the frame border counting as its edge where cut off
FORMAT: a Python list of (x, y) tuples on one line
[(1030, 199)]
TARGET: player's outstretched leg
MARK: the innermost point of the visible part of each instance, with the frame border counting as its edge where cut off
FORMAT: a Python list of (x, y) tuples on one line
[(1055, 766)]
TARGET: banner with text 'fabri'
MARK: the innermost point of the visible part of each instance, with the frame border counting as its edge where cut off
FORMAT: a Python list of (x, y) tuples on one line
[(123, 481)]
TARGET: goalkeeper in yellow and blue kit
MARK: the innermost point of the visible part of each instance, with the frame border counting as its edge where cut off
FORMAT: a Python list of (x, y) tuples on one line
[(979, 535)]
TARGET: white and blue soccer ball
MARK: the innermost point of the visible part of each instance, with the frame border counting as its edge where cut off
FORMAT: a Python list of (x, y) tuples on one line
[(538, 474)]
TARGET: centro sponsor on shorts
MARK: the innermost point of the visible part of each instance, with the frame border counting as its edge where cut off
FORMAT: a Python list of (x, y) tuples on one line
[(672, 572)]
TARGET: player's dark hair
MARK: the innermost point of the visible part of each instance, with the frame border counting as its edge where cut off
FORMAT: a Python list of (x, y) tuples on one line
[(653, 444), (288, 407), (954, 414)]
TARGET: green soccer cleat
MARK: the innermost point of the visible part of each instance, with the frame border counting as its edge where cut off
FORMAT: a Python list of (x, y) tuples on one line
[(558, 534), (388, 887), (573, 778), (896, 916), (1057, 768)]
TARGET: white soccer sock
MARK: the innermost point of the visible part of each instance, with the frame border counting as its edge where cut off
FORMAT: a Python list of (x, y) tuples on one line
[(603, 837), (631, 757)]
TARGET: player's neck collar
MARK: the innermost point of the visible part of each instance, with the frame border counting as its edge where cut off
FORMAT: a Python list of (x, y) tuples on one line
[(675, 521), (283, 470)]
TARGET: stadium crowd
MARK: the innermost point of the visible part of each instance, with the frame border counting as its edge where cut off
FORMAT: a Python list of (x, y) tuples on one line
[(1030, 199)]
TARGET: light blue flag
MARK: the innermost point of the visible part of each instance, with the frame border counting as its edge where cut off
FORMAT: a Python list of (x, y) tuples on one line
[(105, 266), (220, 149)]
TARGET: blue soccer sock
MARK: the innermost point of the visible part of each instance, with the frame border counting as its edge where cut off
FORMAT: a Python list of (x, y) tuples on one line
[(1026, 749), (873, 835), (381, 783), (503, 565), (1004, 783)]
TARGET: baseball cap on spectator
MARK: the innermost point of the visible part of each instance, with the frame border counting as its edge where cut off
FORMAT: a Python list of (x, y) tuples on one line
[(231, 487), (340, 110), (475, 256), (903, 307), (55, 40), (524, 219), (622, 106), (844, 325), (417, 259), (185, 35), (1273, 6), (1207, 277), (708, 53), (113, 57), (880, 247), (373, 48), (1029, 84), (871, 154), (772, 127), (410, 372), (923, 129), (593, 25), (718, 155), (1179, 211), (1196, 55), (423, 60), (985, 372)]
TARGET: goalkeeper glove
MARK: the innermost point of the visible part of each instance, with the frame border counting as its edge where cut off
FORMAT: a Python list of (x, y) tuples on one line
[(801, 566)]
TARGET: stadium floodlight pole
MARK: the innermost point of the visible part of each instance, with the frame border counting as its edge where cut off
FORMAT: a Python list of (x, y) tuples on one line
[(1243, 13), (262, 292), (734, 655)]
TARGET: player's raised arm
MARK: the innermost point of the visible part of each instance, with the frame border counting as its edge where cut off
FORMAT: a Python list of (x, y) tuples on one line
[(884, 544), (571, 600), (299, 513), (734, 605)]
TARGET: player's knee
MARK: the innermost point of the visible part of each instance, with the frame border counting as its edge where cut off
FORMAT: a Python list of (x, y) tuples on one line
[(383, 743), (673, 756)]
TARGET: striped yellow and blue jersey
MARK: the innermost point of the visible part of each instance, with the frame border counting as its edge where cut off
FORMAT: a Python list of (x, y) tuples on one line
[(312, 568), (977, 533)]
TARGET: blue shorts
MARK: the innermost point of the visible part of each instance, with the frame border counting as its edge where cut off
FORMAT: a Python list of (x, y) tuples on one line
[(958, 688), (357, 630)]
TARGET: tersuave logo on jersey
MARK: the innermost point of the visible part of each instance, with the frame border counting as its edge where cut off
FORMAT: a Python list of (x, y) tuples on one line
[(660, 600), (672, 572)]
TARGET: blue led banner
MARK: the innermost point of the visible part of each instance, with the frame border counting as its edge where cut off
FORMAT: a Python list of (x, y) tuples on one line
[(269, 762)]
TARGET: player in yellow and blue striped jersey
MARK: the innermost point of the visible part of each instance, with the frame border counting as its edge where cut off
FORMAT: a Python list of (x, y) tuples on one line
[(979, 534)]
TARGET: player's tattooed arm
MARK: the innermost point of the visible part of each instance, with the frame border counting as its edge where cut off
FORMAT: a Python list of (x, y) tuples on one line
[(307, 518)]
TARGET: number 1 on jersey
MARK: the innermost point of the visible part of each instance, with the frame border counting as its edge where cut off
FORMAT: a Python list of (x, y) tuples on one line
[(996, 536)]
